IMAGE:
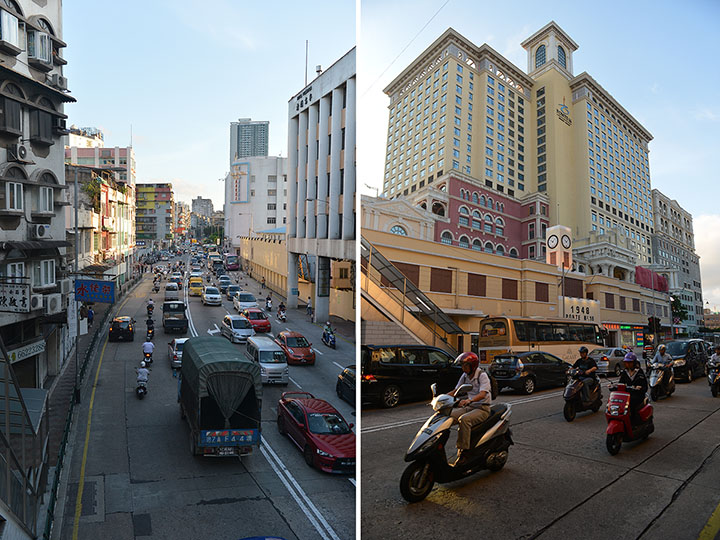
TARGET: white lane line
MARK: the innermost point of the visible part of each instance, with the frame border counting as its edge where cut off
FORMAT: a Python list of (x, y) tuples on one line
[(338, 365), (226, 311), (286, 328), (216, 327), (317, 351), (392, 425), (295, 383), (213, 332), (321, 525), (352, 481)]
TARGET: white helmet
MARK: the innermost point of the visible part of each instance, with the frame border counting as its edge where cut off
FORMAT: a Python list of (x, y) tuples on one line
[(142, 364), (327, 323)]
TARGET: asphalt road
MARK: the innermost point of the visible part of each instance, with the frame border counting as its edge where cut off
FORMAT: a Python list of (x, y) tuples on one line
[(141, 481), (559, 481)]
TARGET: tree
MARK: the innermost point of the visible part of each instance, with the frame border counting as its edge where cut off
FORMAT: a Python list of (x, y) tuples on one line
[(679, 312)]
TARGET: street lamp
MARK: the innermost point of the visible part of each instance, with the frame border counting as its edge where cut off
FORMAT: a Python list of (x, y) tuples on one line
[(672, 319)]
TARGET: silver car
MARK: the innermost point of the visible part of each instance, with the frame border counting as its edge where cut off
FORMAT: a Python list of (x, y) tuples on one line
[(236, 328), (609, 360), (175, 349), (244, 300), (211, 296)]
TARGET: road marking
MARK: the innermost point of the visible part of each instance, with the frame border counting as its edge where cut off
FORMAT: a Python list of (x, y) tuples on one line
[(295, 383), (216, 327), (212, 332), (286, 328), (318, 352), (352, 481), (338, 365), (712, 527), (306, 505)]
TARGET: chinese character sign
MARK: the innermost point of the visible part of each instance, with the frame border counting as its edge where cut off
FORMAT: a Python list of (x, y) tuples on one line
[(15, 297), (92, 290)]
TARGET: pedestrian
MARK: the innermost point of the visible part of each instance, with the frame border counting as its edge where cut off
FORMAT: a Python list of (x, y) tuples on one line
[(308, 309), (91, 316), (263, 283)]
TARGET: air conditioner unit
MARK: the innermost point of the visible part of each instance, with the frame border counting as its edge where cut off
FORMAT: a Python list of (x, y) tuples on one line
[(52, 303), (36, 302), (65, 286), (58, 81), (59, 125), (39, 231), (17, 152)]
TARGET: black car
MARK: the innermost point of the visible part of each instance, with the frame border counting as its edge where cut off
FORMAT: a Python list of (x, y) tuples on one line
[(394, 373), (527, 371), (122, 328), (689, 357), (231, 290), (345, 386)]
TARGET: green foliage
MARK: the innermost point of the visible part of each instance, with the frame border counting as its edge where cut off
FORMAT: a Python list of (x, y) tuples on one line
[(93, 190), (678, 310)]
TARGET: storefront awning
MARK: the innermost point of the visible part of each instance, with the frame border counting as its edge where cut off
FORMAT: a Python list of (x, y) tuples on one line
[(37, 245)]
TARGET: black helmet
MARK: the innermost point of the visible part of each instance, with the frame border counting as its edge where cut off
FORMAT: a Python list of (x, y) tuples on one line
[(583, 349)]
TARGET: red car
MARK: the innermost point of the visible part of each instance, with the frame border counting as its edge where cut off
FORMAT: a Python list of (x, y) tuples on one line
[(319, 430), (258, 319), (296, 347)]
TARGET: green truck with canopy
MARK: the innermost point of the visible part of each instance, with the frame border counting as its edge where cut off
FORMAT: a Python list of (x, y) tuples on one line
[(220, 395)]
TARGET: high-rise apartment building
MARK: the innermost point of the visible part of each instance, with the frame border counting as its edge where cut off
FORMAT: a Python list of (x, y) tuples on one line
[(120, 160), (255, 197), (248, 138), (155, 214), (673, 247), (86, 137), (321, 177), (202, 207), (467, 108)]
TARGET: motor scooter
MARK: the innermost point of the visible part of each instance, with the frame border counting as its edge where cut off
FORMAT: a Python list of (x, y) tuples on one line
[(150, 333), (147, 358), (328, 338), (714, 377), (622, 425), (661, 381), (268, 305), (489, 444), (150, 308), (281, 315), (573, 396), (141, 389), (156, 288)]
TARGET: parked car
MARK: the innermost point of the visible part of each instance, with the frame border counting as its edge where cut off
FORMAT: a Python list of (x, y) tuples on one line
[(318, 430), (231, 290), (258, 319), (175, 350), (211, 297), (689, 356), (244, 300), (345, 386), (609, 360), (236, 328), (297, 349), (122, 328), (392, 374), (529, 370)]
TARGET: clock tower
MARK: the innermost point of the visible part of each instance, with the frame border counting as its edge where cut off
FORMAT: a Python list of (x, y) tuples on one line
[(559, 247)]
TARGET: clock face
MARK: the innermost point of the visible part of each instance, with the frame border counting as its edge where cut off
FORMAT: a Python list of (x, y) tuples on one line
[(566, 241), (552, 242)]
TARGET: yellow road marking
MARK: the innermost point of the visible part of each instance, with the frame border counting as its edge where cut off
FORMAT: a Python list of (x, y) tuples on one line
[(712, 527), (81, 484)]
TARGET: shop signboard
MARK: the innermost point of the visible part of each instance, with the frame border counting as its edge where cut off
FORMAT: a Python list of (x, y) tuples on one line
[(580, 309), (93, 290), (26, 351), (15, 297)]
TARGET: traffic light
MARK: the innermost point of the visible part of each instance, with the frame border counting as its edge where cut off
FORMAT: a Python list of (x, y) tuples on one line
[(654, 326)]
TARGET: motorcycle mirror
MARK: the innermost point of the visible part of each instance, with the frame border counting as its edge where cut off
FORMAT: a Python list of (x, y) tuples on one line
[(464, 389), (433, 387)]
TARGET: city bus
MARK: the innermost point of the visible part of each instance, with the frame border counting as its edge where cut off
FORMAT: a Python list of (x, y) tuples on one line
[(231, 262), (562, 338)]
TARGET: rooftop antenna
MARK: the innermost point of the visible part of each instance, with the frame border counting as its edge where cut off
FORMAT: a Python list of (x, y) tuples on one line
[(130, 135), (306, 60)]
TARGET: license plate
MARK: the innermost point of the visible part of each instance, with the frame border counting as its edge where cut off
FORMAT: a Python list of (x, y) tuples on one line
[(499, 373), (226, 451)]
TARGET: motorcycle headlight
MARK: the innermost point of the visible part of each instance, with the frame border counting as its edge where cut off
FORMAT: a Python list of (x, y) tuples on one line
[(679, 362)]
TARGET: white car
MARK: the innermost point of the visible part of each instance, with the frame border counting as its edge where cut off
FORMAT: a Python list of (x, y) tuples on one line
[(236, 328), (211, 296), (244, 300), (175, 349)]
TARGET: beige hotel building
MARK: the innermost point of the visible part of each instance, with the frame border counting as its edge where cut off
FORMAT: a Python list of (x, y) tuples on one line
[(467, 108)]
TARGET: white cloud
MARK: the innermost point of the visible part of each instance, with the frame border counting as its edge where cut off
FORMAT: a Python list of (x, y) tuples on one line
[(707, 246), (706, 113)]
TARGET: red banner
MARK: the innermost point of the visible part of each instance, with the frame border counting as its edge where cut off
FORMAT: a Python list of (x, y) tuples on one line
[(650, 280)]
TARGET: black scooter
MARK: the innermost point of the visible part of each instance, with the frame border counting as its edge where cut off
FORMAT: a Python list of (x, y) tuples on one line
[(150, 333), (573, 396), (714, 377), (141, 389), (661, 381), (489, 444), (147, 359)]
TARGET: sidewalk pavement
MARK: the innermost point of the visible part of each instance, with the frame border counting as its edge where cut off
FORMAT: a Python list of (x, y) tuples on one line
[(343, 327)]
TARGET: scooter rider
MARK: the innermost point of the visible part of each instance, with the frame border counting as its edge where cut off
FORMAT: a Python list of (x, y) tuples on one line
[(475, 409), (142, 373), (587, 367), (715, 358), (148, 347), (666, 361), (634, 379), (328, 329)]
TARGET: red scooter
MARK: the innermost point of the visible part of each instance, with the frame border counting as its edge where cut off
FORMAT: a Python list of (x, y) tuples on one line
[(621, 427)]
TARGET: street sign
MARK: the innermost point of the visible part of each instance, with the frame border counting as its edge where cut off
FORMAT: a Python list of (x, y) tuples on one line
[(93, 290), (15, 297), (294, 291)]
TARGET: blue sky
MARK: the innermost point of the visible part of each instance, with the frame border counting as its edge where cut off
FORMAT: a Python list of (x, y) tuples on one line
[(658, 59), (181, 71)]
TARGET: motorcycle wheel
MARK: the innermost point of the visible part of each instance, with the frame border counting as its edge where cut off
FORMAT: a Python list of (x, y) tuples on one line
[(498, 462), (417, 481), (569, 411), (714, 390), (654, 393), (618, 370), (613, 443), (596, 406)]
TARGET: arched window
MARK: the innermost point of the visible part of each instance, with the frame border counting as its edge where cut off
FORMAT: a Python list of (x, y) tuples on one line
[(475, 198), (483, 201), (423, 205), (488, 247), (464, 218), (488, 218), (477, 220), (490, 203), (514, 253), (581, 269), (499, 226), (464, 210), (397, 229), (446, 238), (561, 57), (500, 250), (477, 245), (539, 56), (442, 187), (438, 209), (464, 242)]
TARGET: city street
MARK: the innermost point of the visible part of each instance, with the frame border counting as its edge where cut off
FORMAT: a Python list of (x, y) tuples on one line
[(559, 481), (140, 479)]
